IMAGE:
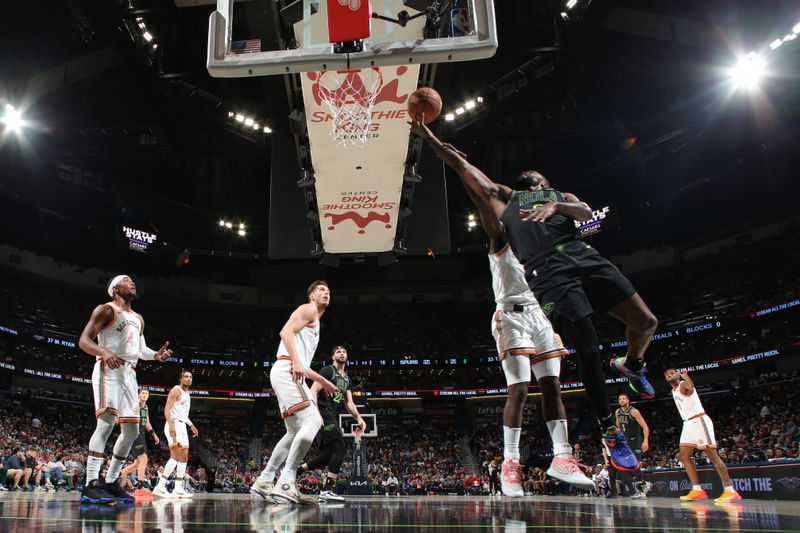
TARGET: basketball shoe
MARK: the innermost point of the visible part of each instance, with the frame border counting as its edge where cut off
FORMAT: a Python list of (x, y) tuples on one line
[(330, 496), (95, 492), (695, 495), (636, 380), (622, 458), (117, 489), (566, 468), (287, 491), (728, 495), (262, 489), (511, 478)]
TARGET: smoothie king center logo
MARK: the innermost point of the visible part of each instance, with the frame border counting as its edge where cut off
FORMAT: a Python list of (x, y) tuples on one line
[(360, 91), (362, 208)]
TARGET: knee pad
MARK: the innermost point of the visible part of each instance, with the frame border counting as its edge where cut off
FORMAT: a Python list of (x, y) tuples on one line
[(105, 426)]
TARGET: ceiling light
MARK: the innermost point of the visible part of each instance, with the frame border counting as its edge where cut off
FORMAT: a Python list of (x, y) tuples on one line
[(230, 114), (240, 118), (776, 43), (13, 118), (571, 3), (248, 122), (748, 71), (449, 117), (242, 233), (460, 111), (147, 36), (479, 99), (796, 28), (470, 104), (228, 225), (221, 223), (790, 37), (267, 129), (256, 125), (241, 225)]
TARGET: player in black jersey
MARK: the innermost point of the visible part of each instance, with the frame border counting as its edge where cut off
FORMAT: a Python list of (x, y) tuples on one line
[(330, 438), (633, 425), (571, 281), (139, 448)]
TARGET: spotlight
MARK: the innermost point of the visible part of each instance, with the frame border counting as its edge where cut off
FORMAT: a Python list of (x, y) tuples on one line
[(470, 104), (147, 36), (248, 122), (13, 118), (564, 16), (790, 37), (796, 28), (241, 225), (479, 99), (221, 223), (240, 118), (230, 114), (449, 117), (571, 4), (256, 126), (228, 225), (460, 111), (267, 129), (155, 47), (776, 43), (748, 71), (242, 233)]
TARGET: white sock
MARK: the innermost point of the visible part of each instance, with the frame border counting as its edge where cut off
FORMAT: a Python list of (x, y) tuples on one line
[(511, 442), (93, 465), (697, 487), (279, 454), (113, 469), (559, 436), (180, 473), (168, 469), (729, 488), (302, 442)]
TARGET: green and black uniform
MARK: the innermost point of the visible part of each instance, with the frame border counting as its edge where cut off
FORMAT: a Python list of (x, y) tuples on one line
[(568, 277), (632, 430), (330, 437), (140, 444), (571, 282)]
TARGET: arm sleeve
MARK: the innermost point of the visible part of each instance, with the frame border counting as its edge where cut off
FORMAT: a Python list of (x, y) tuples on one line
[(144, 352)]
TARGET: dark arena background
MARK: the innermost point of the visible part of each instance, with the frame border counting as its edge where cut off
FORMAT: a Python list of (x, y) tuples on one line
[(186, 145)]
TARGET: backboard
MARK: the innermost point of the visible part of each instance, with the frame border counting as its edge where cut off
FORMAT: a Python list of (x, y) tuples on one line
[(347, 423), (469, 33)]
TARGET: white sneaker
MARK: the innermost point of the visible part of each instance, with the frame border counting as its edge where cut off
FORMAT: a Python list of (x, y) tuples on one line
[(262, 489), (565, 468), (286, 491), (330, 496), (511, 478), (161, 490)]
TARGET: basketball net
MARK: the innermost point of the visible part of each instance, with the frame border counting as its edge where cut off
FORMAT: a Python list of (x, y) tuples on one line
[(350, 97)]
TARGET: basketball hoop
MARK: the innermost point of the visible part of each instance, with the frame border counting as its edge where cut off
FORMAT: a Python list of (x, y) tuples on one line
[(357, 433), (350, 97)]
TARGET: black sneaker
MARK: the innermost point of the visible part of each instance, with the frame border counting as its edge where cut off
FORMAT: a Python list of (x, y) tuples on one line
[(95, 492), (116, 489)]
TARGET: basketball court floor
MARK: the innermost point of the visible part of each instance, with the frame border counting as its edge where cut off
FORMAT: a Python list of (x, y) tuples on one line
[(62, 512)]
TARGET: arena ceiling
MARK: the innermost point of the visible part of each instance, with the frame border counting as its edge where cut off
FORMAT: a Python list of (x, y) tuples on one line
[(625, 104)]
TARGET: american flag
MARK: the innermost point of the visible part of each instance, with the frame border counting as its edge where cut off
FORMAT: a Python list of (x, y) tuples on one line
[(246, 47)]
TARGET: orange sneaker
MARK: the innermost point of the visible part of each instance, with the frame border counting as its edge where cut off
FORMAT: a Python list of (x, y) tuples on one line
[(728, 495), (695, 494)]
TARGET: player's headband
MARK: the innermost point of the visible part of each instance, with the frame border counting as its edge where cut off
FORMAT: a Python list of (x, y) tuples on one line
[(114, 282)]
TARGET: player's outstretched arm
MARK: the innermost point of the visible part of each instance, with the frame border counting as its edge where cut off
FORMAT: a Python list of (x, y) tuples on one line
[(475, 181), (101, 317), (687, 385), (572, 208), (325, 384)]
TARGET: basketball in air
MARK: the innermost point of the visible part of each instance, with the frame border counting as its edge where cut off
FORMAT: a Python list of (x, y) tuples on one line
[(425, 101)]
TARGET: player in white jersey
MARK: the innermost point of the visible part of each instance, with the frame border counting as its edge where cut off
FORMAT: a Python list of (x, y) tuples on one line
[(176, 412), (698, 433), (120, 344), (299, 339), (524, 337)]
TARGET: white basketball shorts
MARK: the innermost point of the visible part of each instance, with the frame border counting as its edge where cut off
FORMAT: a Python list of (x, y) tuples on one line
[(292, 395), (181, 435), (524, 339), (698, 433), (116, 391)]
